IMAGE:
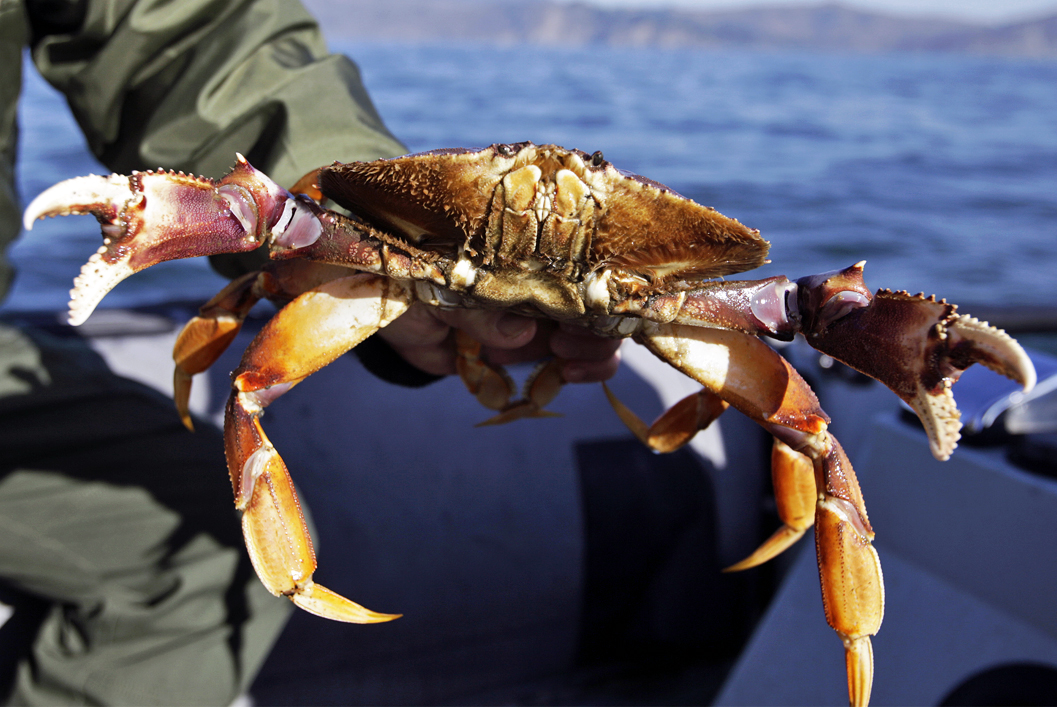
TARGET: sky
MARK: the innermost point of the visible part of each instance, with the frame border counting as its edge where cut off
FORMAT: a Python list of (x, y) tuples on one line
[(984, 11)]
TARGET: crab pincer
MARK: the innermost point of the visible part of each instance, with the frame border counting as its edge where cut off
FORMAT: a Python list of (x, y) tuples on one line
[(917, 346)]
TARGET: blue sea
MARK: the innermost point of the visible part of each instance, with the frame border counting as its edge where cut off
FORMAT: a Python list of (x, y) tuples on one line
[(939, 170)]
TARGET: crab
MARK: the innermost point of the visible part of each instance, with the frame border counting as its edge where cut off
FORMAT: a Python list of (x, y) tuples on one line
[(552, 233)]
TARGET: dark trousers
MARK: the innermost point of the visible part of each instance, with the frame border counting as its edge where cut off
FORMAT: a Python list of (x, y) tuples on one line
[(118, 526)]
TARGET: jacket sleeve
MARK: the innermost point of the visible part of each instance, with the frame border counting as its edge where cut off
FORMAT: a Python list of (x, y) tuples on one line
[(185, 85)]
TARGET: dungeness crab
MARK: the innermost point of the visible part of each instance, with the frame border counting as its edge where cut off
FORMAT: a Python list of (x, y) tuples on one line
[(548, 232)]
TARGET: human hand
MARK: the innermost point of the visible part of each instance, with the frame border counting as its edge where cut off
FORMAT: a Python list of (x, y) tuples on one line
[(424, 337)]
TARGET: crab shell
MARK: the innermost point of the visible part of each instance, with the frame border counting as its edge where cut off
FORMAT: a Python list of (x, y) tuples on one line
[(548, 232)]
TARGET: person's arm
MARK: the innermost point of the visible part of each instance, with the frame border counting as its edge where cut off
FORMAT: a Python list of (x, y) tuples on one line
[(185, 85)]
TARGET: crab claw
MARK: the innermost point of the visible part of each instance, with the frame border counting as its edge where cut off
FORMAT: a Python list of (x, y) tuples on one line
[(150, 217), (915, 345)]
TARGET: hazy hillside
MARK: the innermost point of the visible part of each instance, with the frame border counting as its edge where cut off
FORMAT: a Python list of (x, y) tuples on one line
[(831, 27)]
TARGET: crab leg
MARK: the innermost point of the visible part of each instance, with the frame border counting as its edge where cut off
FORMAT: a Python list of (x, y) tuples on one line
[(493, 387), (793, 477), (677, 425), (750, 376), (155, 216), (307, 334), (757, 307), (207, 335), (848, 565)]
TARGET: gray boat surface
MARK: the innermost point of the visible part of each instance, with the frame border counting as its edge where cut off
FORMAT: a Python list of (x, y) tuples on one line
[(555, 561)]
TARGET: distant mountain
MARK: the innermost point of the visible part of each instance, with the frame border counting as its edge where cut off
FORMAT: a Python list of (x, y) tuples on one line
[(828, 27)]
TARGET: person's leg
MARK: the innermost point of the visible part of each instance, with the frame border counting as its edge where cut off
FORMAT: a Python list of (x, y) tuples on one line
[(123, 521)]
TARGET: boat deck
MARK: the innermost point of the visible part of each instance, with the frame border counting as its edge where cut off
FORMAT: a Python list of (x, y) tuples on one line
[(555, 561)]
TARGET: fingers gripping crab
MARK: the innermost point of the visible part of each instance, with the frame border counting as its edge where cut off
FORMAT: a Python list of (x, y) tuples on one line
[(553, 233)]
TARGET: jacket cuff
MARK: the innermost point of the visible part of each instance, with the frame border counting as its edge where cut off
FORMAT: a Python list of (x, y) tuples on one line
[(381, 360)]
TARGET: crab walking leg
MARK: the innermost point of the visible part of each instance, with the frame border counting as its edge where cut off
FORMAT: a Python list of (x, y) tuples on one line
[(848, 565), (493, 387), (218, 322), (793, 477), (677, 425), (307, 334), (208, 335), (757, 381), (740, 369)]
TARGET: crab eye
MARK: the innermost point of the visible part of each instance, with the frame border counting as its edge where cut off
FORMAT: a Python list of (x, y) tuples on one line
[(505, 150), (597, 159)]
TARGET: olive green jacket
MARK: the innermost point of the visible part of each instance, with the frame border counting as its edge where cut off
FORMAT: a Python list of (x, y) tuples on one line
[(185, 85)]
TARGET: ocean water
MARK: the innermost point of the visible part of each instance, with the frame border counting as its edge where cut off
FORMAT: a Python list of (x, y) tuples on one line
[(939, 170)]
